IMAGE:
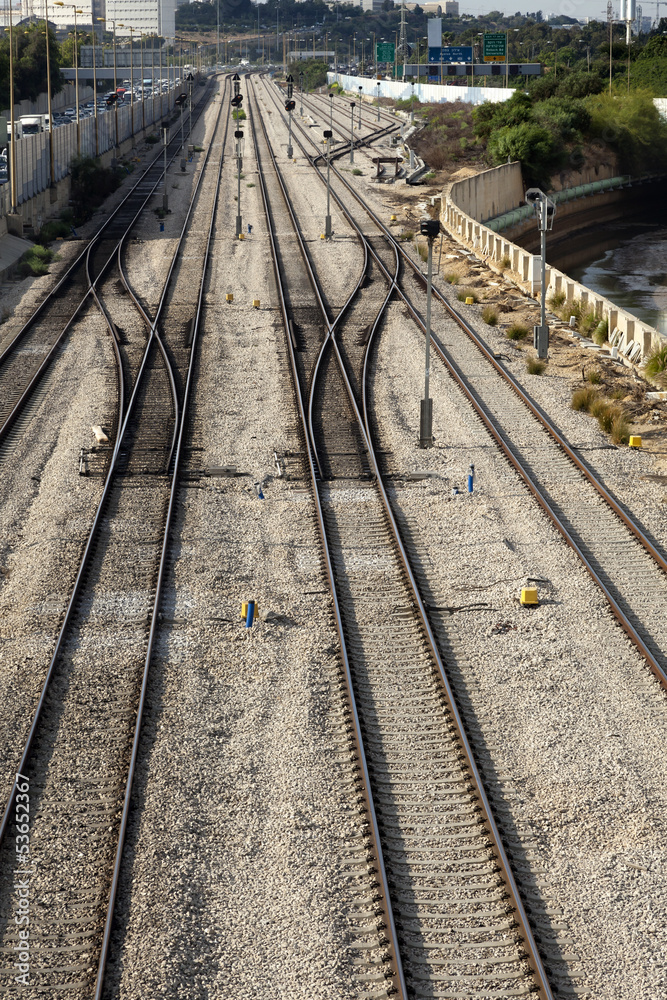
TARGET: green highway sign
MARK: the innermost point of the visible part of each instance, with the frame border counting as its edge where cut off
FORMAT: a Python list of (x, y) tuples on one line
[(385, 52), (495, 46)]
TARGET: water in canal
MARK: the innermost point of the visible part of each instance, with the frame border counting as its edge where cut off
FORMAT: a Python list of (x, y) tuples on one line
[(633, 271)]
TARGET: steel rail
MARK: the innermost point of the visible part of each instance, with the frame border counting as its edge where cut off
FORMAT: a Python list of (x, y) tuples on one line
[(505, 444), (83, 257), (76, 588), (533, 956), (396, 963), (162, 572)]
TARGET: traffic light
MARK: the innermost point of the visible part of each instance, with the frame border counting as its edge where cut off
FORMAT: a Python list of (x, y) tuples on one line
[(290, 105), (237, 100)]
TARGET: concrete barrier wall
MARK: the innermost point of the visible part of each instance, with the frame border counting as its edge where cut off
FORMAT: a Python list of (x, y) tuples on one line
[(492, 192), (492, 246), (427, 93), (66, 98), (92, 137)]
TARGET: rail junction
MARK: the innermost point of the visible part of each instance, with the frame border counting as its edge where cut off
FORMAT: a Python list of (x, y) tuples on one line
[(443, 895)]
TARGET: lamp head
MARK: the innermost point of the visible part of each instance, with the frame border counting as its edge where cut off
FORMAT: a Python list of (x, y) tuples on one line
[(533, 195)]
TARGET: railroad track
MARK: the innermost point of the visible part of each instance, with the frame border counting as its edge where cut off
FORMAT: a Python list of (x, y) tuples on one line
[(25, 360), (619, 555), (448, 920), (77, 764)]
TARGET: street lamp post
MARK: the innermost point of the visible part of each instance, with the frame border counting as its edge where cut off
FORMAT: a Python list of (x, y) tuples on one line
[(12, 120), (97, 135), (59, 3), (132, 30), (351, 131), (48, 96), (115, 76), (545, 211), (328, 137), (429, 228)]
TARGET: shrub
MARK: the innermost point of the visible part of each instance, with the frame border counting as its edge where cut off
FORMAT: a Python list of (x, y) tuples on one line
[(151, 139), (583, 399), (250, 185), (239, 114), (467, 294), (423, 251), (91, 184), (517, 331), (594, 377), (35, 262), (357, 172), (489, 315), (52, 230), (600, 333), (505, 263), (535, 366), (655, 365), (556, 301), (452, 278), (540, 152), (407, 235), (620, 428)]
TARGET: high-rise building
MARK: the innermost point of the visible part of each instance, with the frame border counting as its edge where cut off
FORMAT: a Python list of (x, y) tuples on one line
[(154, 17), (451, 7)]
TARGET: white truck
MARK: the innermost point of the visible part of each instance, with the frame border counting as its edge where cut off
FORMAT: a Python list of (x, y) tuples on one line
[(32, 124)]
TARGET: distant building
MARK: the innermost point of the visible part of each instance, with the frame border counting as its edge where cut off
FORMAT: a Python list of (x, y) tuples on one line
[(451, 7), (372, 5), (154, 17)]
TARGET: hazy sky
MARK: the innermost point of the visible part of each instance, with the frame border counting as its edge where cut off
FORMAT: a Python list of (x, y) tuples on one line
[(573, 8)]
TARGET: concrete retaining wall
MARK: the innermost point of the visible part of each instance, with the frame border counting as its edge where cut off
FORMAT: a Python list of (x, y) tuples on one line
[(489, 245), (427, 93)]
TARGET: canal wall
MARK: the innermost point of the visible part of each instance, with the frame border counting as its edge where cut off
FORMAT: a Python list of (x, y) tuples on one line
[(466, 202)]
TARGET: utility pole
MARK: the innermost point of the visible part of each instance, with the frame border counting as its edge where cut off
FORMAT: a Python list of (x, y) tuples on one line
[(352, 105), (403, 38), (429, 228)]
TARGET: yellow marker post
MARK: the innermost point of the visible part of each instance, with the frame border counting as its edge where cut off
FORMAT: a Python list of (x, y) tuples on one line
[(229, 297), (255, 303), (529, 597), (469, 300), (635, 441)]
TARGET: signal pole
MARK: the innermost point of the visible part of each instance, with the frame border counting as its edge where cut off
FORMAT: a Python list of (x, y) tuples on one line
[(328, 135), (237, 100), (289, 107)]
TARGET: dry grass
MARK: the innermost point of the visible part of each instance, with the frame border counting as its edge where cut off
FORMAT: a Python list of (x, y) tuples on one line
[(582, 399), (517, 331), (535, 366), (489, 315), (467, 294)]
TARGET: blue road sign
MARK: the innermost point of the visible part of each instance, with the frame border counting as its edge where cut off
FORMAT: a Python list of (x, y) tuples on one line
[(456, 53), (435, 53)]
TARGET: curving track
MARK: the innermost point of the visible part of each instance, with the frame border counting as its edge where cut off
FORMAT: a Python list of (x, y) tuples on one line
[(26, 359), (449, 905), (621, 558), (79, 757)]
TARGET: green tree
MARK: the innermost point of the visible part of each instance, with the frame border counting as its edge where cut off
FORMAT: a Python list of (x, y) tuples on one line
[(534, 145), (29, 63)]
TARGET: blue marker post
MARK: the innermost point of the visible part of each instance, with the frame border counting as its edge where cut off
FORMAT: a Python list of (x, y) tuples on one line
[(471, 477), (249, 229), (250, 615)]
